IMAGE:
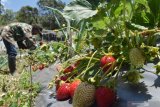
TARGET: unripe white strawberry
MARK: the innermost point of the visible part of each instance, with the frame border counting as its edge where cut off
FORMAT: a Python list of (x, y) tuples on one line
[(84, 95), (136, 57), (133, 76)]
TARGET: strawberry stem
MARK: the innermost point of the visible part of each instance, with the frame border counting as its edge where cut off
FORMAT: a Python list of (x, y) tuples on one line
[(91, 59), (88, 64), (119, 69), (83, 72), (106, 72)]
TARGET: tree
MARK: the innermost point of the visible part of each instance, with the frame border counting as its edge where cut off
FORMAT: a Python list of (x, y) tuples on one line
[(58, 4), (28, 15), (94, 3), (47, 17), (7, 17), (1, 7)]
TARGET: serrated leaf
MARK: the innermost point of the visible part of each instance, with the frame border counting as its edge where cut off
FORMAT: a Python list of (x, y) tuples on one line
[(154, 7), (100, 21), (79, 9), (143, 2), (157, 68), (144, 19), (101, 24), (14, 105), (118, 10), (1, 103)]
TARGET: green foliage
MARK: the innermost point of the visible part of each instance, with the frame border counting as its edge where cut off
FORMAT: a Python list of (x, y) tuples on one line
[(17, 90), (157, 68), (58, 4), (7, 17), (1, 7), (94, 3), (114, 28), (79, 9), (3, 64), (132, 76), (47, 17), (102, 28), (155, 10), (29, 14), (147, 13)]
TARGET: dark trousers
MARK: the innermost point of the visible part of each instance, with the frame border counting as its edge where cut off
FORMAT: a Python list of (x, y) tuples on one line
[(11, 49), (12, 53)]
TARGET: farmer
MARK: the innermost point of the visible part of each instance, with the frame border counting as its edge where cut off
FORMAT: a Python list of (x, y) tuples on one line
[(20, 34)]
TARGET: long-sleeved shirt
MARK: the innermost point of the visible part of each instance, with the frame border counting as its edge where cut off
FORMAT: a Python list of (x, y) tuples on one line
[(17, 32)]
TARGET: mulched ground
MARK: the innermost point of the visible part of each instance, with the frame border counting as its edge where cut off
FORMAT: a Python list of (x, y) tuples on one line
[(146, 93), (46, 96)]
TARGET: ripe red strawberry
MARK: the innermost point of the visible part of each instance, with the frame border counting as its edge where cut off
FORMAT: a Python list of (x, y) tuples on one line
[(69, 69), (106, 62), (73, 86), (76, 64), (64, 77), (63, 92), (58, 83), (105, 97), (60, 80), (41, 66)]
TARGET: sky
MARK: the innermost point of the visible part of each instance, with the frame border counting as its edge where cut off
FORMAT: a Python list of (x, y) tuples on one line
[(15, 5)]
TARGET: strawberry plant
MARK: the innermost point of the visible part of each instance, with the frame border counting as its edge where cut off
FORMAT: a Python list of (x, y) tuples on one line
[(15, 91), (109, 35), (101, 37), (19, 90)]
